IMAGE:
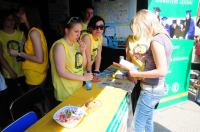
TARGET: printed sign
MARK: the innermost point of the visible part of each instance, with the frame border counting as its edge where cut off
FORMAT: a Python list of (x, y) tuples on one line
[(179, 18)]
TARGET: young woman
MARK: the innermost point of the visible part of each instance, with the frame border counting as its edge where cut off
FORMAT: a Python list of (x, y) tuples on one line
[(35, 51), (93, 40), (10, 38), (87, 15), (68, 59), (157, 58)]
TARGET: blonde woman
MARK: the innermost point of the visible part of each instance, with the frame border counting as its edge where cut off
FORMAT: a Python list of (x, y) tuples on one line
[(151, 33), (10, 38)]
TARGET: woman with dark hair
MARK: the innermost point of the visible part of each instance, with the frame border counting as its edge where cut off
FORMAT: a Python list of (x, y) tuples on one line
[(68, 59), (35, 50), (87, 15), (93, 40), (10, 38)]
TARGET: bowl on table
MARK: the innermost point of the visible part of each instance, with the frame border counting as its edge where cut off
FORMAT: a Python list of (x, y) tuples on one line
[(69, 116)]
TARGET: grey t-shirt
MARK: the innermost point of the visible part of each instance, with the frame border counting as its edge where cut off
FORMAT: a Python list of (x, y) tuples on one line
[(149, 61)]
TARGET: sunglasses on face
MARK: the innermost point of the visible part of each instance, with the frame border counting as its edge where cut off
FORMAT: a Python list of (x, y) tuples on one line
[(101, 27), (73, 19)]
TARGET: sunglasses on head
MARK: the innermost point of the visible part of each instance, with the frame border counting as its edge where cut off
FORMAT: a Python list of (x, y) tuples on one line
[(101, 27), (73, 19)]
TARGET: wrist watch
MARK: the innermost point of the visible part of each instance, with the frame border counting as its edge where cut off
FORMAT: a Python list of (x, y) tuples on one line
[(19, 54)]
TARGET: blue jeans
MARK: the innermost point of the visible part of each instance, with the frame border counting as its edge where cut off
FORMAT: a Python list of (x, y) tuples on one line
[(143, 117)]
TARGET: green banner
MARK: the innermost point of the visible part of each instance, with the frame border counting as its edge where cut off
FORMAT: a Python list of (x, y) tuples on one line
[(178, 78), (179, 18), (174, 8)]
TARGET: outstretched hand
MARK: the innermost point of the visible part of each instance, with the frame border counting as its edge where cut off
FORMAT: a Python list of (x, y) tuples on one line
[(120, 66), (116, 64), (130, 72)]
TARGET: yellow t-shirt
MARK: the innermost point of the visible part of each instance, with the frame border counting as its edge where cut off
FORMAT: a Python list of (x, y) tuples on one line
[(132, 46), (35, 73), (84, 26), (94, 45), (73, 64), (12, 40)]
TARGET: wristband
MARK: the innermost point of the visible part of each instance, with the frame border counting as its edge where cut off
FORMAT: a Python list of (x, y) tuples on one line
[(19, 54), (97, 72)]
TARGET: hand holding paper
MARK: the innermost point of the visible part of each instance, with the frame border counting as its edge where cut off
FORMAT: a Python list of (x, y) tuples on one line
[(126, 65)]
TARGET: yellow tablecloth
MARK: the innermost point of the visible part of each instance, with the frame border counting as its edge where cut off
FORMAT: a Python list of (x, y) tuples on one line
[(97, 121)]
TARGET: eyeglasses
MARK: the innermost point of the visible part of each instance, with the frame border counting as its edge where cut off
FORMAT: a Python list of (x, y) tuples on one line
[(73, 19), (101, 27)]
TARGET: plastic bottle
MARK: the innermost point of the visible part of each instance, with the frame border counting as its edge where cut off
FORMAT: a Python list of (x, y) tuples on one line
[(88, 85), (121, 58)]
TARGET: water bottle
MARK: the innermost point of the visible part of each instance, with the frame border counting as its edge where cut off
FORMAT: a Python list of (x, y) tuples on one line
[(88, 85), (121, 58)]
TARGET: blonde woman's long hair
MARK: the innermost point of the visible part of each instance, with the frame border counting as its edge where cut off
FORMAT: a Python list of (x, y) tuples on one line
[(145, 25)]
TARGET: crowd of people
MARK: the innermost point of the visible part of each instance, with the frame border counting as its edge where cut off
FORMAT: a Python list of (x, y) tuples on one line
[(24, 55), (178, 28), (24, 58)]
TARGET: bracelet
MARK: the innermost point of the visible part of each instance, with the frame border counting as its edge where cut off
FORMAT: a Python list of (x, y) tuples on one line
[(19, 54), (97, 72), (88, 71)]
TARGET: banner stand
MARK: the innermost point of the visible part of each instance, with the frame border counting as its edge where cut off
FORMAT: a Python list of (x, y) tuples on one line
[(179, 19)]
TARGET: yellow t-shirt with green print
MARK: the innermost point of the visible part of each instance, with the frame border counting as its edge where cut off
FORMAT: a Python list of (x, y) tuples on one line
[(95, 43), (12, 40), (74, 64), (132, 46)]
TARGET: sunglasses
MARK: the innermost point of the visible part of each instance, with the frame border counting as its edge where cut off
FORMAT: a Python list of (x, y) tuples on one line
[(101, 27), (73, 19)]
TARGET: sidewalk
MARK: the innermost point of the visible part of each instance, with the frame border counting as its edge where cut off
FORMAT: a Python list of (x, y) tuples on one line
[(182, 117)]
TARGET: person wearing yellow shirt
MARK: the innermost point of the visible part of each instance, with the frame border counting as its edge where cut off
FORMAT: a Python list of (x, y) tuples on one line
[(88, 13), (135, 50), (93, 40), (35, 51), (68, 59), (10, 38)]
